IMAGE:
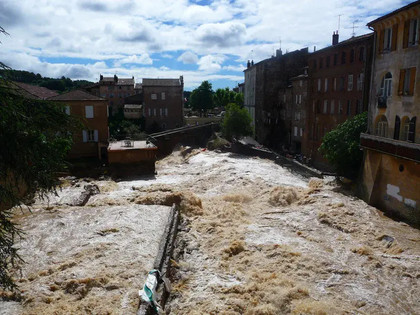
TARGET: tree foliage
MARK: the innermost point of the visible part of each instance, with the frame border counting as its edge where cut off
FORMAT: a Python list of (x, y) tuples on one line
[(341, 146), (202, 97), (34, 140), (236, 122), (222, 97)]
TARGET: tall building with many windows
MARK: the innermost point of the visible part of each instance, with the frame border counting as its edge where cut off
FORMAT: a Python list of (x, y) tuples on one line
[(339, 78), (391, 173)]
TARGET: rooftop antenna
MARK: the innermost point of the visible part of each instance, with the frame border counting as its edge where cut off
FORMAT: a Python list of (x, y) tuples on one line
[(338, 28), (353, 27)]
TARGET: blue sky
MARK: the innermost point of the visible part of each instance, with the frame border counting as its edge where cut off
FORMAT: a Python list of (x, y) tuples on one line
[(199, 39)]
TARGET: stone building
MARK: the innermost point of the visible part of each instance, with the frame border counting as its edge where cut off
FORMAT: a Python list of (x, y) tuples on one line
[(163, 103), (339, 77), (92, 140), (263, 81), (113, 89), (391, 173), (299, 103)]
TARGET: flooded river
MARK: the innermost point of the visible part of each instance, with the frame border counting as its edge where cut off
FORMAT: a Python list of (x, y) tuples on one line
[(254, 239)]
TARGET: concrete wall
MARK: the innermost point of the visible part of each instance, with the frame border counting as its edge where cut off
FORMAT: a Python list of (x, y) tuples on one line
[(392, 184)]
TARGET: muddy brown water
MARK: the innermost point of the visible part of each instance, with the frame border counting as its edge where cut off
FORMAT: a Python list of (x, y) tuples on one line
[(254, 239)]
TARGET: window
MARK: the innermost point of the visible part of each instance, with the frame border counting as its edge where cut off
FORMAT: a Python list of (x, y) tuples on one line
[(387, 39), (153, 96), (319, 85), (386, 85), (300, 83), (350, 83), (296, 99), (359, 107), (362, 54), (300, 98), (335, 84), (301, 132), (297, 115), (343, 57), (160, 111), (341, 84), (352, 55), (397, 127), (67, 109), (335, 59), (412, 129), (90, 135), (348, 108), (325, 111), (381, 126), (332, 107), (150, 112), (321, 63), (326, 85), (295, 131), (314, 64), (166, 111), (154, 111), (405, 127), (89, 111), (163, 95), (406, 84), (411, 33), (360, 79), (328, 61), (340, 107)]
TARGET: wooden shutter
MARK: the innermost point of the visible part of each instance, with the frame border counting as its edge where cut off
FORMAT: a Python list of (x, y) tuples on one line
[(381, 41), (95, 135), (412, 79), (85, 136), (394, 37), (397, 127), (401, 82), (412, 129), (406, 33)]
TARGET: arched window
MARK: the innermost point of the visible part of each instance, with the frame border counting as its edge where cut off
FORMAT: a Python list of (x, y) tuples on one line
[(381, 126), (386, 85), (397, 127), (405, 127)]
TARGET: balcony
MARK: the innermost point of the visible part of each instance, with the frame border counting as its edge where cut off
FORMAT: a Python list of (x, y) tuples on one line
[(397, 148)]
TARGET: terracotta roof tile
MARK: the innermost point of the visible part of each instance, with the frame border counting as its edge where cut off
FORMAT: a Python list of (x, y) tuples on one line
[(37, 91), (76, 95)]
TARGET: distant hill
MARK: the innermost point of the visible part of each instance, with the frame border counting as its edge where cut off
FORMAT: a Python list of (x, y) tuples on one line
[(62, 84)]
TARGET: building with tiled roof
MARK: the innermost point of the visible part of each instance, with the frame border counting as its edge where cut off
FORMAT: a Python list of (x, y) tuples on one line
[(34, 91), (114, 89)]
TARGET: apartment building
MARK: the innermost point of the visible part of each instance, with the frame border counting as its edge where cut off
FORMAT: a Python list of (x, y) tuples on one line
[(163, 102), (114, 89), (391, 173), (339, 79), (92, 140)]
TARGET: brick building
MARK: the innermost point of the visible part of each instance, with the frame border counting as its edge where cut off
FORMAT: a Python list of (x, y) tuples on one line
[(113, 89), (92, 141), (391, 173), (263, 81), (163, 103), (339, 78)]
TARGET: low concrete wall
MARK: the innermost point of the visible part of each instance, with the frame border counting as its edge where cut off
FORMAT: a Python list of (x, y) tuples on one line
[(162, 260)]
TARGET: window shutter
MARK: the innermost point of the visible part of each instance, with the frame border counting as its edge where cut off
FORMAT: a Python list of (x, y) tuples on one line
[(401, 82), (394, 37), (381, 41), (406, 32), (85, 136), (412, 129), (95, 134), (412, 80), (397, 128)]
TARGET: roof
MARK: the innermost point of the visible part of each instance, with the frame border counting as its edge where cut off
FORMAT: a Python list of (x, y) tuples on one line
[(76, 95), (408, 6), (134, 145), (133, 106), (138, 86), (120, 81), (300, 77), (161, 82), (36, 91), (351, 40)]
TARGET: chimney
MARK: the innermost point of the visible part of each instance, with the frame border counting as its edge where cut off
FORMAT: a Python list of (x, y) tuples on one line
[(252, 62), (115, 78), (279, 52), (335, 38), (181, 78), (248, 64), (314, 48), (101, 77)]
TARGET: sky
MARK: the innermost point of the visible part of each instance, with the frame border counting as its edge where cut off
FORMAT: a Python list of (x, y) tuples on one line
[(198, 39)]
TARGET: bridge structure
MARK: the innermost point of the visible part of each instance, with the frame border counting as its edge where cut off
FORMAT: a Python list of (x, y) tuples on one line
[(187, 135)]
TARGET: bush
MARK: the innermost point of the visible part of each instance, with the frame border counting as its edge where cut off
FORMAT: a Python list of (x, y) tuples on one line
[(341, 146)]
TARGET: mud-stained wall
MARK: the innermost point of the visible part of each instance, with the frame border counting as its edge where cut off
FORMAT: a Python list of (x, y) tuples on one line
[(391, 184)]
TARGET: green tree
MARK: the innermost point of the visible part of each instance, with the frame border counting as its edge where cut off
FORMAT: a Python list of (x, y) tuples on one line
[(237, 122), (341, 146), (202, 97)]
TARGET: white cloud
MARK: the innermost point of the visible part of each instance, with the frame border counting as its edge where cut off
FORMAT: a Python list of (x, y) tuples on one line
[(221, 34), (136, 59), (188, 57), (211, 63)]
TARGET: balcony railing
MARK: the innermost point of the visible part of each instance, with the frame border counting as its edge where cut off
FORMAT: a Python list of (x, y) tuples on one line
[(401, 149)]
